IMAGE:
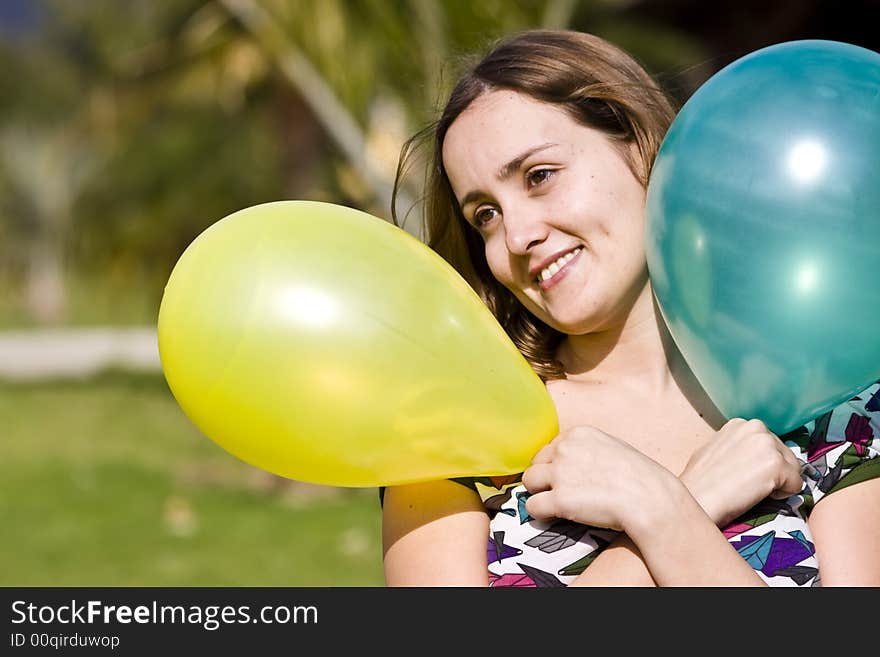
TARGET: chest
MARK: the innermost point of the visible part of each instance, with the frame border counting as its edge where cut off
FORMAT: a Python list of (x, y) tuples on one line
[(666, 428)]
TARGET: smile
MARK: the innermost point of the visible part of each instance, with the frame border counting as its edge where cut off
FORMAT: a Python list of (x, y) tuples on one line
[(548, 275)]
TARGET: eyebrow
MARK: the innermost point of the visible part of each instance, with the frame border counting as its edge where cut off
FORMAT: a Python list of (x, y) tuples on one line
[(508, 170)]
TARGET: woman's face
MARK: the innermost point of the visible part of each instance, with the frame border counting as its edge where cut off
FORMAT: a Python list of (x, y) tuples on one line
[(560, 212)]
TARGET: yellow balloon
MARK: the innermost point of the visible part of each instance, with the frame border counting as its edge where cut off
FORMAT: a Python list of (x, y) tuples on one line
[(325, 345)]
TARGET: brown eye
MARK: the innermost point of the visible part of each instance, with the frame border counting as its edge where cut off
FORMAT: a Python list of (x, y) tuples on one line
[(538, 177), (484, 215)]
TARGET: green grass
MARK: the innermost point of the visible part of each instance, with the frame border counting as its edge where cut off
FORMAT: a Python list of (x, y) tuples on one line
[(107, 483)]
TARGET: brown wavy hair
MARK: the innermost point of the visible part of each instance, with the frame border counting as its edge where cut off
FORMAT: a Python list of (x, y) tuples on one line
[(598, 85)]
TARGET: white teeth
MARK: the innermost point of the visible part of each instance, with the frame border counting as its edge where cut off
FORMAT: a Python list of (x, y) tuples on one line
[(550, 270)]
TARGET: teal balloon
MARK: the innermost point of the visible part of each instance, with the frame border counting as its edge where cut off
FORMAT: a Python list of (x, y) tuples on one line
[(763, 231)]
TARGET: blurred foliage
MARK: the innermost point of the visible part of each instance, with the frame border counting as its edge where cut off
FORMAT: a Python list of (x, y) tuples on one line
[(127, 128)]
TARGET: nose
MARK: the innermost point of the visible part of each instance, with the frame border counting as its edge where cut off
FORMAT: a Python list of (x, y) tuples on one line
[(524, 229)]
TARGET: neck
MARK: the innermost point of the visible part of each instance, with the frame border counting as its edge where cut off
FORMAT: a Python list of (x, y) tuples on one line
[(637, 351), (638, 355)]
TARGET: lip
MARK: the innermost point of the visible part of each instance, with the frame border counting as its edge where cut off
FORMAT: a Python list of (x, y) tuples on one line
[(537, 269)]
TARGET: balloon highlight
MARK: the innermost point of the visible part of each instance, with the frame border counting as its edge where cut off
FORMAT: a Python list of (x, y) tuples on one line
[(763, 231), (325, 345)]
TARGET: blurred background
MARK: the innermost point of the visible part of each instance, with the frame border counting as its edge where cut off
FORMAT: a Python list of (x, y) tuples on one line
[(129, 126)]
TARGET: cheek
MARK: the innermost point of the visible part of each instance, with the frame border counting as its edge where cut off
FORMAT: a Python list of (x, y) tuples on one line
[(497, 256), (624, 244), (621, 226)]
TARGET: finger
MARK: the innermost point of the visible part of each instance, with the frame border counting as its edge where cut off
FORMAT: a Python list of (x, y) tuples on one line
[(734, 423), (545, 454), (789, 455), (541, 506), (537, 478), (756, 425), (783, 494), (793, 481)]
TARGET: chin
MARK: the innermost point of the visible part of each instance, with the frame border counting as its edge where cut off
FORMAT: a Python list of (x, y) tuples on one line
[(571, 325)]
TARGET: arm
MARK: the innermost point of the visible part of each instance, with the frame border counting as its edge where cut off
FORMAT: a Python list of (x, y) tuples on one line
[(681, 547), (845, 526), (846, 533), (434, 534), (590, 477), (619, 564)]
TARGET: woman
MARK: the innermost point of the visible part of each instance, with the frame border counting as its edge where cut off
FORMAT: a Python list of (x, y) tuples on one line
[(537, 191)]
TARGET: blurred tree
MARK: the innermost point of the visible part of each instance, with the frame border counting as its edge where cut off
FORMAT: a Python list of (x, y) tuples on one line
[(46, 169), (130, 127), (47, 158), (133, 132), (370, 71)]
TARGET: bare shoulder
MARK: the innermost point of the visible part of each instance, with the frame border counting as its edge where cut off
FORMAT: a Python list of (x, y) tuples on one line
[(427, 501), (434, 534)]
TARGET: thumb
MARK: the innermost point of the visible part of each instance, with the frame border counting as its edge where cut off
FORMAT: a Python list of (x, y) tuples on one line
[(791, 485), (540, 505)]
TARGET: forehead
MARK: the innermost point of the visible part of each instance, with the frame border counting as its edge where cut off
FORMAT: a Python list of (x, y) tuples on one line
[(502, 123), (501, 106)]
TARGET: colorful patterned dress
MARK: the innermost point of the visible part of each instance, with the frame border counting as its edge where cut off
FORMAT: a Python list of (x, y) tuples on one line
[(837, 449)]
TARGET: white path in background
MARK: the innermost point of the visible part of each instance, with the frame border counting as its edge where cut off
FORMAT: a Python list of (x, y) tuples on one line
[(76, 352)]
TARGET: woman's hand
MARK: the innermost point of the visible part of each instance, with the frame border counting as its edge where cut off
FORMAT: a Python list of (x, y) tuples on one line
[(741, 465), (587, 476), (590, 477)]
